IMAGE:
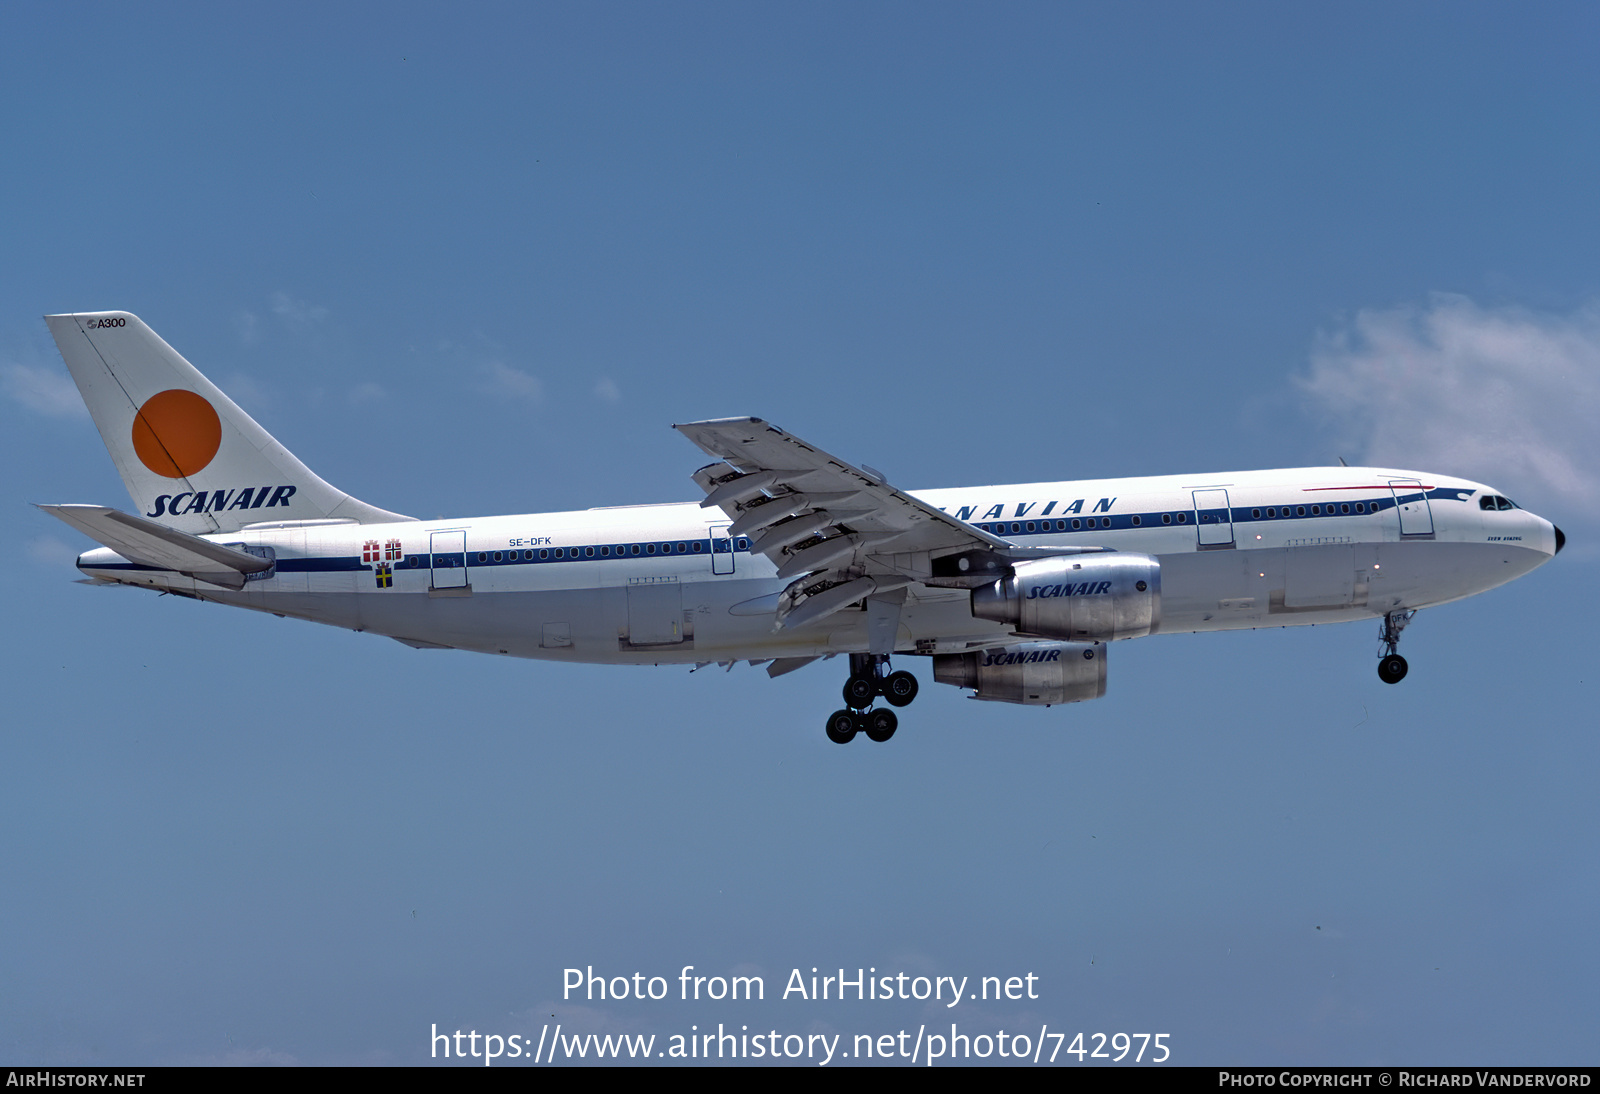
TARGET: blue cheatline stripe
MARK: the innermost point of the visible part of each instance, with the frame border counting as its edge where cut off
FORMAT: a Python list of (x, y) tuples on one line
[(583, 552), (619, 552), (607, 552), (1175, 518)]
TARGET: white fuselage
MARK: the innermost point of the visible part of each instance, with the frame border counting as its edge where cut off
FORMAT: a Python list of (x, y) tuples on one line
[(664, 584)]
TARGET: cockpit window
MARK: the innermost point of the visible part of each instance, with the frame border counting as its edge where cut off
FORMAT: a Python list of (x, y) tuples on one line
[(1495, 503)]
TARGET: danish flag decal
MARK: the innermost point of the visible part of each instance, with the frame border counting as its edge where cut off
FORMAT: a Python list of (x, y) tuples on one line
[(383, 556)]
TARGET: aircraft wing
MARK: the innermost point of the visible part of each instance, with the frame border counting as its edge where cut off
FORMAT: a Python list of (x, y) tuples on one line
[(840, 530), (150, 544)]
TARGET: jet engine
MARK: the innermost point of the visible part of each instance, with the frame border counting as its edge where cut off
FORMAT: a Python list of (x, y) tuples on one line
[(1030, 673), (1081, 598)]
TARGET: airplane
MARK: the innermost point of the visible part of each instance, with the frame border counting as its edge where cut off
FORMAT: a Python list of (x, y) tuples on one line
[(794, 555)]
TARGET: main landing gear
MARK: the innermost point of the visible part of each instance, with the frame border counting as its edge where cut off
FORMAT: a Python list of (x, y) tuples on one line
[(1392, 667), (867, 682)]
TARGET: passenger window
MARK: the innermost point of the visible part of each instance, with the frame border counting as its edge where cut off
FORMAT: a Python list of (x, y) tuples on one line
[(1166, 518)]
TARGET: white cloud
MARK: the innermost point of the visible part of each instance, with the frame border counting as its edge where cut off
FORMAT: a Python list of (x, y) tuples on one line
[(246, 322), (608, 390), (43, 390), (245, 1057), (367, 392), (52, 552), (503, 380), (245, 391), (1507, 396), (576, 1018), (295, 311)]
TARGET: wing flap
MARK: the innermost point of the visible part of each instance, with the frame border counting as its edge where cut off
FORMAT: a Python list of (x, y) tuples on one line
[(798, 477), (841, 531)]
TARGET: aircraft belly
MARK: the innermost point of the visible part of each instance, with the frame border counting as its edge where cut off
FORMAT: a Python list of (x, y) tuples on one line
[(664, 620), (1328, 583), (613, 625), (655, 624), (1424, 573), (1217, 590), (1265, 587)]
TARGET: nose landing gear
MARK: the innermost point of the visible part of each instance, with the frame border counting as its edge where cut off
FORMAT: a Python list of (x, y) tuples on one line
[(1392, 667), (867, 681)]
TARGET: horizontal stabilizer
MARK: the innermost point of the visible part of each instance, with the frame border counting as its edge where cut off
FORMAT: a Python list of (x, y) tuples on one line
[(150, 544)]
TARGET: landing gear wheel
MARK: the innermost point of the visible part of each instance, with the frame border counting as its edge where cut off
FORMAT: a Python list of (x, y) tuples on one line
[(900, 688), (881, 725), (842, 727), (859, 691), (1392, 669)]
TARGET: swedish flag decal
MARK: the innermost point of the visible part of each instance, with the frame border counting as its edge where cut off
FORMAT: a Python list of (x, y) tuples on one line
[(385, 575)]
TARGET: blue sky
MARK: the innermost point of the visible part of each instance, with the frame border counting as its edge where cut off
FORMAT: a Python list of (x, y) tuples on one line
[(477, 259)]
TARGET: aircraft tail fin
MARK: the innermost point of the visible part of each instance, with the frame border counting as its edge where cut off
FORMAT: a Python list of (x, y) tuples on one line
[(189, 456)]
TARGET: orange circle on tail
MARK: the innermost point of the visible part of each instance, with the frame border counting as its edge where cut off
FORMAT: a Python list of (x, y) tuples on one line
[(176, 433)]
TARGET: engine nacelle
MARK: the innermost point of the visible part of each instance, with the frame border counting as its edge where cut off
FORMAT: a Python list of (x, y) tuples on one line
[(1082, 598), (1030, 673)]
